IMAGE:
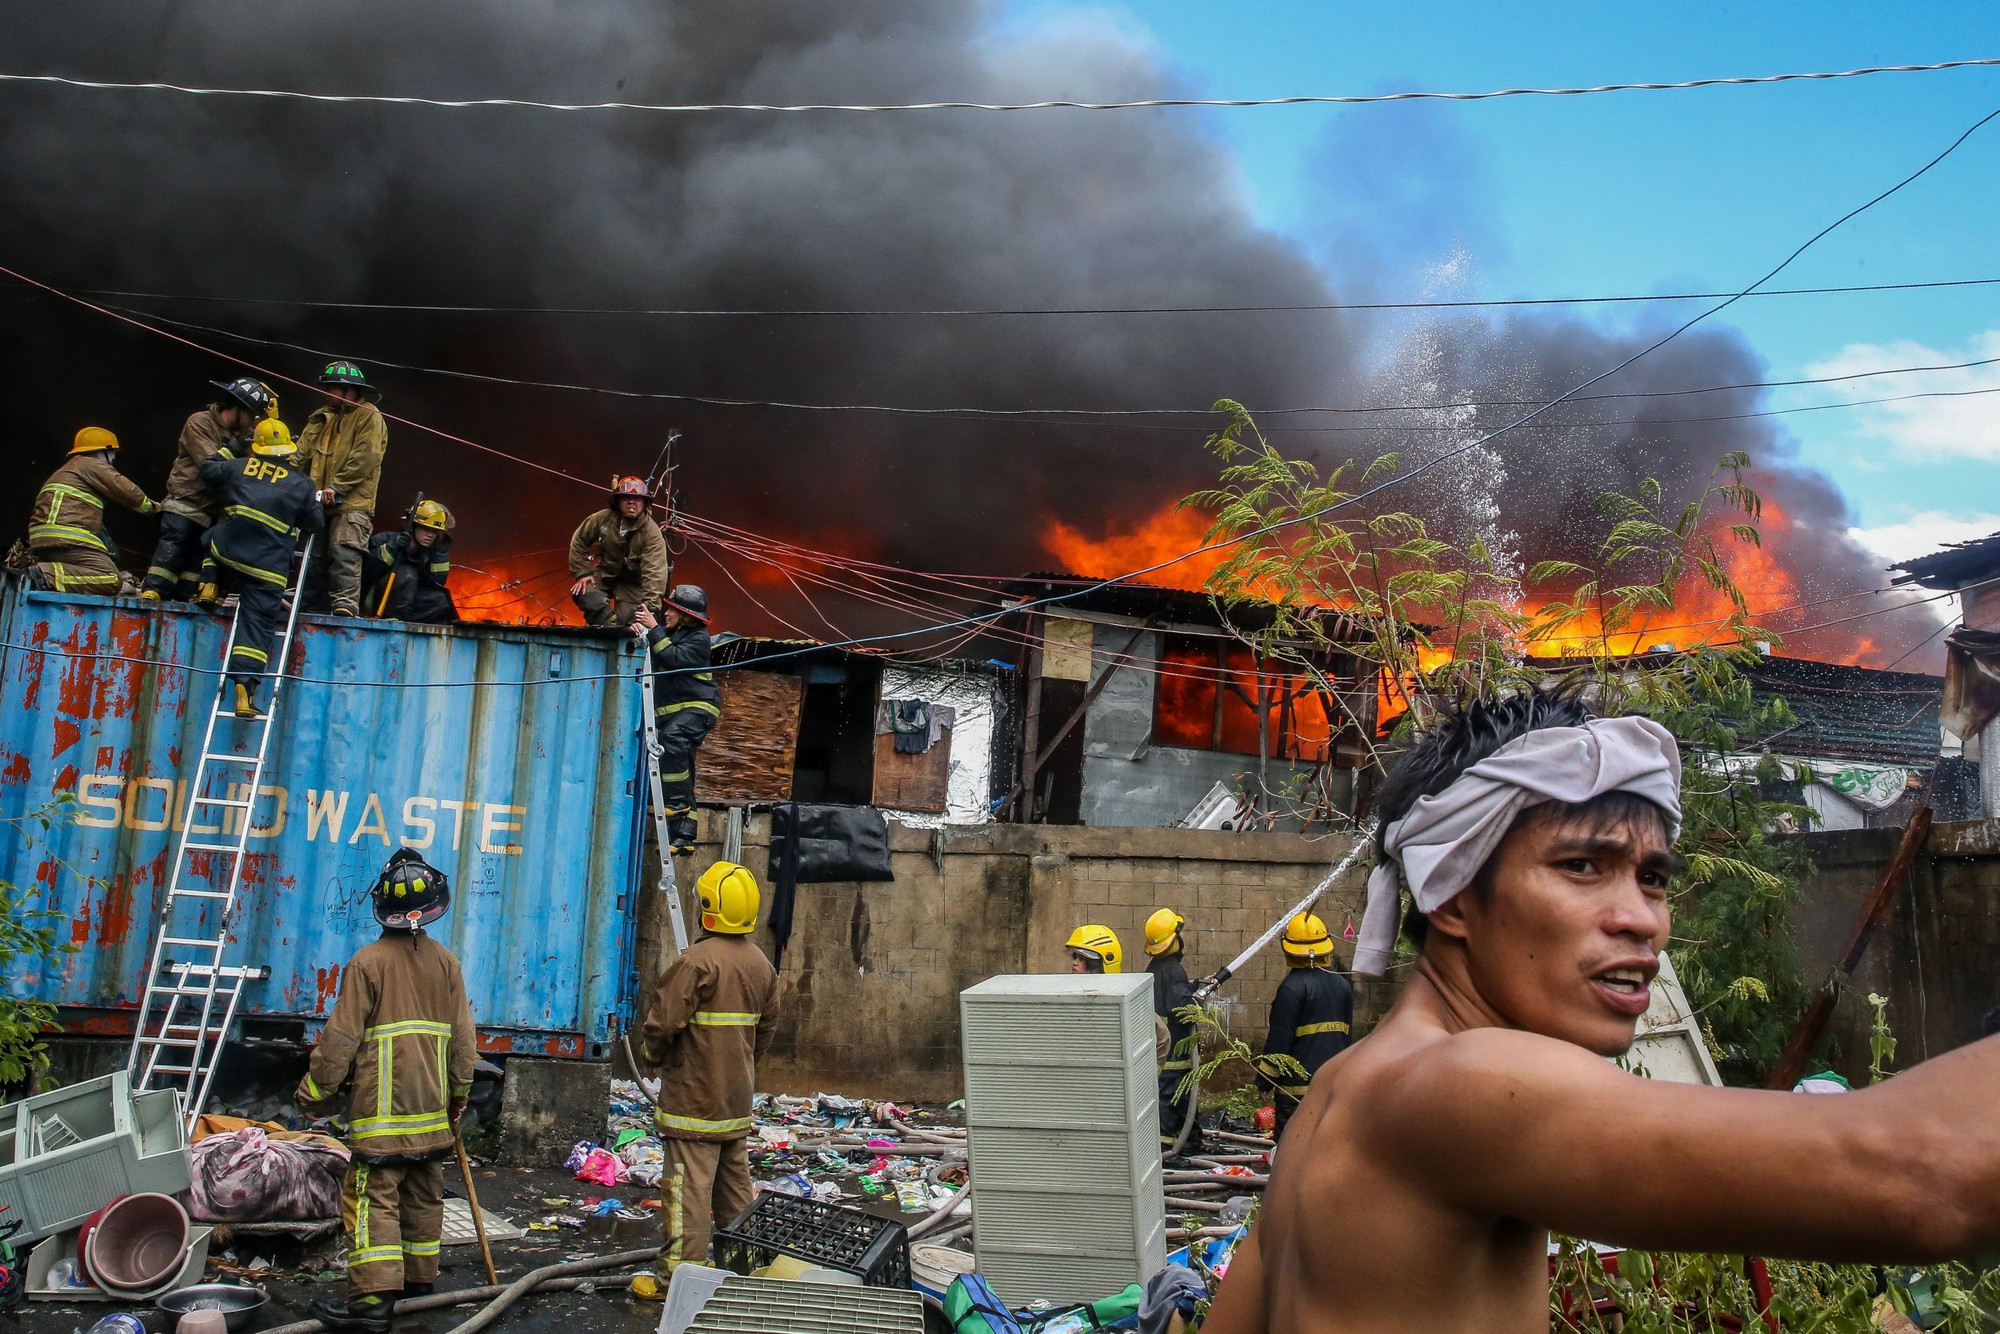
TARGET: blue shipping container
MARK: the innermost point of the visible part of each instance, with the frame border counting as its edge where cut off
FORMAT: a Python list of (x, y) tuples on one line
[(510, 757)]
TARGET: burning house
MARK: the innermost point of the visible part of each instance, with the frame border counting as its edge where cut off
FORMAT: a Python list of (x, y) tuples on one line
[(1137, 704)]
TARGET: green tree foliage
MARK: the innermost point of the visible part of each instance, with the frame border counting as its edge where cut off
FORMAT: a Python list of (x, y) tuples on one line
[(28, 940), (1440, 623)]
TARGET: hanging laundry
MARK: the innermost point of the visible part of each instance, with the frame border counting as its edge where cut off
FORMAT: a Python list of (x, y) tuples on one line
[(911, 719)]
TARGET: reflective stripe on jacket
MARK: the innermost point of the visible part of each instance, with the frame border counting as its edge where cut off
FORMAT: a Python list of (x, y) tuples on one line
[(676, 689), (69, 509), (401, 1040), (265, 504), (187, 495), (1311, 1017), (713, 1014)]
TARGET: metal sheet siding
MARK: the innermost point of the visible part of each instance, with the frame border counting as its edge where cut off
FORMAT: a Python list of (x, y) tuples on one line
[(526, 795)]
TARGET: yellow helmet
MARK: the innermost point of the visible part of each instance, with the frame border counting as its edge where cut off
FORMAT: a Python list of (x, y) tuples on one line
[(1099, 943), (729, 899), (93, 440), (1306, 939), (272, 439), (1163, 928), (430, 514)]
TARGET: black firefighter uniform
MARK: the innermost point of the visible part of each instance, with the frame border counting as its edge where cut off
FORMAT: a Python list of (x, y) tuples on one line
[(713, 1014), (265, 505), (1312, 1020), (1172, 992), (66, 529), (402, 581), (400, 1038), (686, 704)]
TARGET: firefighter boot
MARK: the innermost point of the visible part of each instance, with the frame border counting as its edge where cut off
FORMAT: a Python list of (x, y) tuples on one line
[(649, 1287), (681, 833), (208, 595), (356, 1315), (418, 1289), (246, 702)]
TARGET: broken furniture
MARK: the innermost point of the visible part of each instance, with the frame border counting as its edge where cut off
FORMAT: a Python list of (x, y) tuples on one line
[(66, 1153)]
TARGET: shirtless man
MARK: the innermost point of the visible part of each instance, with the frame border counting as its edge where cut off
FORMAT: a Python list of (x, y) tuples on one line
[(1425, 1167)]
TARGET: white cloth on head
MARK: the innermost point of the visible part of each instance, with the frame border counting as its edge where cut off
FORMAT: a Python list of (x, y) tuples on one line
[(1438, 847)]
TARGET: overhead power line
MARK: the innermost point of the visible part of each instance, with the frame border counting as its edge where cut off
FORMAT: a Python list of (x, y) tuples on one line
[(1056, 413), (1053, 104), (939, 312)]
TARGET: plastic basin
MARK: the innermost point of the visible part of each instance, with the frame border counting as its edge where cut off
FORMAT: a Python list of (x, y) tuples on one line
[(137, 1244), (236, 1305)]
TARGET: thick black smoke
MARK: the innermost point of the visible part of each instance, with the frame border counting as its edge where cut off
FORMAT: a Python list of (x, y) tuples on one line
[(289, 201)]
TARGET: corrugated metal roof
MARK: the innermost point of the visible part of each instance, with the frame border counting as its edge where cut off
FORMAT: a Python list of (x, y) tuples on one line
[(1853, 713), (1956, 565), (497, 751)]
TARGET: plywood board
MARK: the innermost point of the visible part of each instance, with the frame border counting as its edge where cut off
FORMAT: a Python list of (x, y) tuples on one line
[(911, 782), (1066, 646), (752, 751)]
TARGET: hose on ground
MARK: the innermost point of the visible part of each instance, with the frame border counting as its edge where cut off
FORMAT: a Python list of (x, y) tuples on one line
[(555, 1278), (525, 1284), (940, 1213)]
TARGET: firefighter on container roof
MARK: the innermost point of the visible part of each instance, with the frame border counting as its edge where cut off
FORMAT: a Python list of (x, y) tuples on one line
[(712, 1016), (1312, 1016), (66, 535), (405, 573), (266, 503), (342, 445), (618, 557), (400, 1039), (189, 509), (686, 703), (1172, 992)]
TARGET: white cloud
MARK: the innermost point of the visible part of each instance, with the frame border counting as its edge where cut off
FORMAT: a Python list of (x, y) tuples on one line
[(1923, 533), (1923, 428)]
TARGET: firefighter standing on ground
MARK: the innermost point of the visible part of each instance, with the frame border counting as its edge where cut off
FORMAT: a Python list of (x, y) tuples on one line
[(686, 703), (342, 446), (1312, 1016), (66, 533), (189, 509), (266, 502), (405, 574), (401, 1038), (713, 1014), (618, 557), (1172, 991)]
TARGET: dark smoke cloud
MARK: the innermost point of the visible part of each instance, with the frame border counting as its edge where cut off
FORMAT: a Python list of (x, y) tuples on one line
[(951, 209)]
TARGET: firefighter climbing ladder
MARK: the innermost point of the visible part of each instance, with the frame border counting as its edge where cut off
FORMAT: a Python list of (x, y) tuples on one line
[(661, 835), (191, 996)]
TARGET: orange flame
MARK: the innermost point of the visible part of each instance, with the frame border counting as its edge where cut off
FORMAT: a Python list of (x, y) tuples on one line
[(1697, 618)]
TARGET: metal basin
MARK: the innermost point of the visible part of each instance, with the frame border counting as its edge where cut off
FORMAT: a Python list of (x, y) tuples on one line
[(240, 1305)]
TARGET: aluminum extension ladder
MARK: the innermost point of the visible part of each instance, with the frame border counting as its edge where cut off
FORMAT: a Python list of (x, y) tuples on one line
[(668, 887), (191, 996)]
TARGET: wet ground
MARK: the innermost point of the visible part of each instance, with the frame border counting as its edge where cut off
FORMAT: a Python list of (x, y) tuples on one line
[(295, 1275), (298, 1277)]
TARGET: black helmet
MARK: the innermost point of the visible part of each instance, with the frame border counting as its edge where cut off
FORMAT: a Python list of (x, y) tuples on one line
[(690, 598), (345, 374), (410, 893), (253, 396)]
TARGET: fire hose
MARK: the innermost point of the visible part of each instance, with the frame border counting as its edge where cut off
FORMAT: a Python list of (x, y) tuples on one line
[(1207, 986), (550, 1278)]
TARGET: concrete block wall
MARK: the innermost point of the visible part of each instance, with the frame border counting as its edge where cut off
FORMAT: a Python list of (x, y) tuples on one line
[(873, 970)]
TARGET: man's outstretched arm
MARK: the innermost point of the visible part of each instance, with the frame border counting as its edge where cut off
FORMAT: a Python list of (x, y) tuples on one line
[(1515, 1125)]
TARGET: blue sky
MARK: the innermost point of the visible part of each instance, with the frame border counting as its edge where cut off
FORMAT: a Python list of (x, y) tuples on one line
[(1651, 192)]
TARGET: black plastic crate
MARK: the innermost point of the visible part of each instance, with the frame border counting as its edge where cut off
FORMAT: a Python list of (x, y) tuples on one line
[(877, 1249)]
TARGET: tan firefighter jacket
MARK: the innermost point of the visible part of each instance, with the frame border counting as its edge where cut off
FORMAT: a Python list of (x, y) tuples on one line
[(635, 557), (200, 438), (69, 509), (344, 450), (401, 1037), (713, 1015)]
